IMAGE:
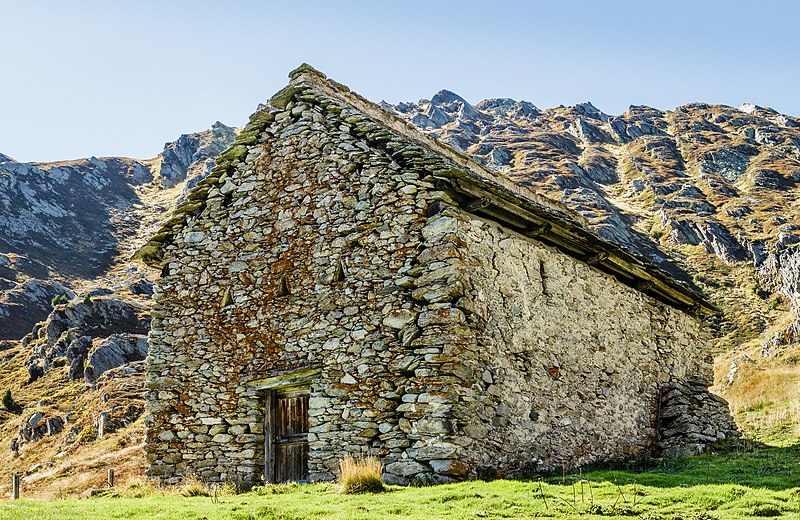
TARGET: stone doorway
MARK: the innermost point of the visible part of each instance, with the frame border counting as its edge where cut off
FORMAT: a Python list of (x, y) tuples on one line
[(286, 436), (286, 412)]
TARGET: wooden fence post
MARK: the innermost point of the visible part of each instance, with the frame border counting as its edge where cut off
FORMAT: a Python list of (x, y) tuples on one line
[(15, 487), (110, 478)]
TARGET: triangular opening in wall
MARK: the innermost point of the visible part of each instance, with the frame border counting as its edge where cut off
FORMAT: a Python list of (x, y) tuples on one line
[(227, 199), (227, 298), (339, 275), (283, 287)]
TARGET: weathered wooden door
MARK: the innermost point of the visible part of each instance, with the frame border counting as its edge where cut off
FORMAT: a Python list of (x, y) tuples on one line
[(287, 436)]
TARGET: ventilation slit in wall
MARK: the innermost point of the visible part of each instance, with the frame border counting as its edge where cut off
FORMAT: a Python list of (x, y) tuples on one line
[(227, 199), (542, 275), (435, 208), (227, 298), (339, 274), (283, 287)]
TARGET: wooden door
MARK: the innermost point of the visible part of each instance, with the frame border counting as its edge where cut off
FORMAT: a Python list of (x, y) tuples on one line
[(287, 437)]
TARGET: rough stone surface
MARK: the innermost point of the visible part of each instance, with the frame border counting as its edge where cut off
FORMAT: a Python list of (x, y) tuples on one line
[(691, 419), (66, 337), (26, 303), (446, 344), (114, 351), (192, 156), (570, 361)]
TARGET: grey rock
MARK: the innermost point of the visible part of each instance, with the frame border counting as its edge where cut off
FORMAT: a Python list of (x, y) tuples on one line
[(27, 303), (69, 330), (192, 156), (115, 351), (405, 468), (34, 419)]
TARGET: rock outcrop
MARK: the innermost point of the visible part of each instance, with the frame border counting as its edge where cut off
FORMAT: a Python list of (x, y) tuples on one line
[(71, 221), (191, 156), (43, 204), (26, 303), (90, 336), (38, 425), (115, 351)]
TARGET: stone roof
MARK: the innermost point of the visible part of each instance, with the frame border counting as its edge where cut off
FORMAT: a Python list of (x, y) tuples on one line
[(474, 187)]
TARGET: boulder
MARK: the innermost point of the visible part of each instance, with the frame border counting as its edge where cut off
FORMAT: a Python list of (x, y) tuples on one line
[(113, 352), (68, 333), (37, 426)]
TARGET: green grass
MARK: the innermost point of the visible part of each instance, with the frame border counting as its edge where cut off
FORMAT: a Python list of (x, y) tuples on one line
[(764, 482)]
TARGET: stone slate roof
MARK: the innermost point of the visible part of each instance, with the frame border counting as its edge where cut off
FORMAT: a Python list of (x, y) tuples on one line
[(475, 188)]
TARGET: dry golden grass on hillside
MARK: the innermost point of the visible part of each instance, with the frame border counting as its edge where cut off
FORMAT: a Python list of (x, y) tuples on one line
[(764, 396), (68, 464)]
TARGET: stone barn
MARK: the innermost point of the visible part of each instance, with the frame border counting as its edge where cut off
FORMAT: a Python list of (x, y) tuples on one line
[(345, 284)]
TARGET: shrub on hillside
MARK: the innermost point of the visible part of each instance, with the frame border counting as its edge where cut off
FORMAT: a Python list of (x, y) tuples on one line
[(8, 401), (58, 300)]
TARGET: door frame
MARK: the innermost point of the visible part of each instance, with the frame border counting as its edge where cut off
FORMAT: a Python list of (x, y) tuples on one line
[(297, 382), (270, 426)]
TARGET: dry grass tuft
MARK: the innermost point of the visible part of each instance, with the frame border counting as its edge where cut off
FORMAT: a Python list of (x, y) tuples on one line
[(193, 486), (360, 475), (763, 385), (141, 490)]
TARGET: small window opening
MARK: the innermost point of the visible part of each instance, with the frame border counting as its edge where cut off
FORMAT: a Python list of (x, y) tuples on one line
[(339, 275), (283, 287), (227, 298)]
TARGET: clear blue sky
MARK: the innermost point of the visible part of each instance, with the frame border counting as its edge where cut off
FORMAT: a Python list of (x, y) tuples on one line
[(84, 78)]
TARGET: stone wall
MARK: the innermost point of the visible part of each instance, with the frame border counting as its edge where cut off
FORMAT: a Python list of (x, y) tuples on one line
[(691, 419), (446, 345), (570, 362)]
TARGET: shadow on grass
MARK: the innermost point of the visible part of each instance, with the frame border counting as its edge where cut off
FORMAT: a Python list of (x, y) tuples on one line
[(762, 466)]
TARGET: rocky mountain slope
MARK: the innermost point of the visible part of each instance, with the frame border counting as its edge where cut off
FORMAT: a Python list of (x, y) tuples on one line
[(709, 186), (74, 312), (65, 223)]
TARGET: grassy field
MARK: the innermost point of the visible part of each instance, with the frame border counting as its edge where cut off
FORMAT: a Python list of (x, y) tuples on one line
[(762, 482)]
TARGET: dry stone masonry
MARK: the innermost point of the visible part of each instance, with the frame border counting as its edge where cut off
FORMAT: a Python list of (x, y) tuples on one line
[(436, 315)]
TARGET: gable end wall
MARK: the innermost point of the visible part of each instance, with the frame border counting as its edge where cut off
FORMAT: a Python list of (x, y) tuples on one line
[(318, 209)]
